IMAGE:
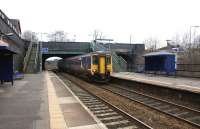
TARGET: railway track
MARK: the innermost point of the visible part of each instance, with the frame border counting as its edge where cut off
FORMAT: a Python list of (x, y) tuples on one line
[(183, 113), (108, 114)]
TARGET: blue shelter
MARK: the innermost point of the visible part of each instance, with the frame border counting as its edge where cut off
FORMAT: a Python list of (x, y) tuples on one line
[(6, 63), (160, 62)]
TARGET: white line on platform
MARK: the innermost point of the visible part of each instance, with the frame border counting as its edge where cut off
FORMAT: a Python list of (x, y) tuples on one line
[(57, 120), (67, 100), (94, 126), (99, 123)]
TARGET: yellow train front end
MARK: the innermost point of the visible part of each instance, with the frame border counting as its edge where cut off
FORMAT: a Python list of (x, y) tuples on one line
[(101, 66)]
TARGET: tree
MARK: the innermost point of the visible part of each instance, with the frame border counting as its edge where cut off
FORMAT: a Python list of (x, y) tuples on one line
[(188, 43), (97, 35), (192, 52), (197, 42), (30, 36), (176, 40), (58, 36), (151, 44), (185, 40)]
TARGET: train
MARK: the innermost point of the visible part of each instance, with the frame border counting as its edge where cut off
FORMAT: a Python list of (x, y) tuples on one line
[(51, 65), (95, 66)]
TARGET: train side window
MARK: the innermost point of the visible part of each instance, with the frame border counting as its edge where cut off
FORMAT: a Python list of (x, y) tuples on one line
[(95, 60), (84, 62), (108, 60), (89, 62)]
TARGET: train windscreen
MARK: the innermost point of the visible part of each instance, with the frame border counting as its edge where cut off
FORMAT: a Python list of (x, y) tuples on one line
[(95, 60)]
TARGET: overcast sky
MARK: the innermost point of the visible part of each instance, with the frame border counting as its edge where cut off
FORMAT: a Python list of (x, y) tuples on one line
[(117, 19)]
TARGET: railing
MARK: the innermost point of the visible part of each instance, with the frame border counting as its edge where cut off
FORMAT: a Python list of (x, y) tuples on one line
[(68, 50), (123, 63), (188, 70), (36, 57), (9, 23), (26, 58), (119, 64), (188, 67)]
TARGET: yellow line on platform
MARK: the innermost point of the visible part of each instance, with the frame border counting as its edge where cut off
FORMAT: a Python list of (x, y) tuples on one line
[(57, 120)]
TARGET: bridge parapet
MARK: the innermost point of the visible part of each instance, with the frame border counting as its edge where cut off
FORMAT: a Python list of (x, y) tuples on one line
[(65, 47)]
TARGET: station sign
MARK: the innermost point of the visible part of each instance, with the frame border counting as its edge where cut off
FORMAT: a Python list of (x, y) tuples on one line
[(45, 50)]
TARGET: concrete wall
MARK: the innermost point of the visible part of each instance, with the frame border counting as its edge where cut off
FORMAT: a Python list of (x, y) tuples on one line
[(67, 46), (125, 47), (188, 64), (132, 53)]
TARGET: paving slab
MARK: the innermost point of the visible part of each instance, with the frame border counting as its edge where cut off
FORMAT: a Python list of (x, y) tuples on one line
[(43, 101), (24, 105), (182, 83), (75, 113)]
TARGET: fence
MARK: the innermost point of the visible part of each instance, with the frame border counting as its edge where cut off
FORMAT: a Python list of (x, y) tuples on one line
[(188, 70)]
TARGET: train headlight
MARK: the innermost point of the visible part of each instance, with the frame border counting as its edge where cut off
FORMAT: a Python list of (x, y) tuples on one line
[(94, 70)]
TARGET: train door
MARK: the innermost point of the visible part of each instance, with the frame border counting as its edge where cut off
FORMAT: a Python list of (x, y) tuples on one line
[(102, 64)]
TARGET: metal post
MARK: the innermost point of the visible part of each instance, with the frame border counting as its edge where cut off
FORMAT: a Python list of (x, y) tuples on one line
[(40, 56)]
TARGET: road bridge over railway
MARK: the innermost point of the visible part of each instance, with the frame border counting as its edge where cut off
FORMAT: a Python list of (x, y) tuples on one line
[(64, 49), (124, 55)]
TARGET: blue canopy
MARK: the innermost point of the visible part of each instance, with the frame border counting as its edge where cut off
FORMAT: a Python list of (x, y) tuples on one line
[(160, 53)]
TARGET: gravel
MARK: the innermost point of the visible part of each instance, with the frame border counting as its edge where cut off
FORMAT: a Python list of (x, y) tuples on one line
[(149, 116)]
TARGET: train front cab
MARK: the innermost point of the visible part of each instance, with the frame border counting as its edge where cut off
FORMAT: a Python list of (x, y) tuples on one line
[(101, 67)]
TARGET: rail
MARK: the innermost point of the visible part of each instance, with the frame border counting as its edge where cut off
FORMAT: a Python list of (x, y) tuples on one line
[(92, 101), (26, 58), (175, 110)]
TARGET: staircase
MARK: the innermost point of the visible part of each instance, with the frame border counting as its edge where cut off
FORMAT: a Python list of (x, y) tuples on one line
[(119, 64), (32, 59)]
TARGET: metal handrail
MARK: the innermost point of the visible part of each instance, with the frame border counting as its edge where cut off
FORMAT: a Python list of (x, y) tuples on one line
[(119, 60), (26, 58), (122, 59), (36, 56), (9, 23), (123, 63)]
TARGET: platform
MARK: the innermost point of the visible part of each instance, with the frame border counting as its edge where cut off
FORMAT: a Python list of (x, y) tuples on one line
[(43, 101), (180, 83), (24, 105)]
